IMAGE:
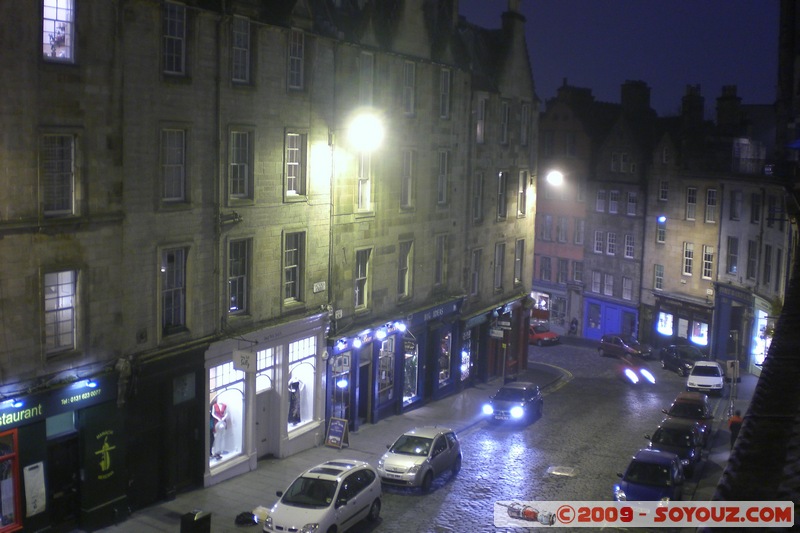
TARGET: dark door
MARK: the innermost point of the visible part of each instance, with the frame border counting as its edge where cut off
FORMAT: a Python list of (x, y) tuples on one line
[(62, 470)]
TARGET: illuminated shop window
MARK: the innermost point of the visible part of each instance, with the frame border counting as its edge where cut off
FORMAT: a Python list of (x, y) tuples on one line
[(225, 412), (302, 374), (11, 519), (699, 333), (410, 370), (664, 325), (445, 351)]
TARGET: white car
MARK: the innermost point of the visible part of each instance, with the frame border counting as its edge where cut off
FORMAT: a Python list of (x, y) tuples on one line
[(707, 377), (333, 496), (420, 455)]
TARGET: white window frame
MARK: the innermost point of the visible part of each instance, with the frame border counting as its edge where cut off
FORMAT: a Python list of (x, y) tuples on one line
[(173, 290), (630, 246), (632, 204), (687, 265), (407, 179), (580, 230), (294, 243), (475, 272), (240, 49), (173, 165), (663, 191), (708, 262), (562, 228), (240, 164), (409, 88), (608, 285), (60, 306), (522, 193), (58, 30), (599, 242), (295, 78), (627, 288), (440, 260), (611, 243), (658, 277), (613, 202), (445, 83), (600, 201), (296, 163), (732, 260), (499, 264), (519, 257), (405, 264), (362, 278), (502, 201), (577, 271), (596, 280), (238, 276), (691, 203), (174, 39), (442, 177), (364, 182), (661, 231), (58, 155), (711, 206)]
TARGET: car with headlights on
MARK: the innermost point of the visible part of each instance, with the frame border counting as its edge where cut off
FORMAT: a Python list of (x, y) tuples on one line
[(692, 406), (652, 475), (330, 497), (620, 345), (681, 437), (707, 377), (680, 358), (515, 401), (634, 371), (540, 335), (419, 456)]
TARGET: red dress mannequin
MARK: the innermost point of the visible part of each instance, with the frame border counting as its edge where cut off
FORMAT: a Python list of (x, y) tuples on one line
[(220, 413)]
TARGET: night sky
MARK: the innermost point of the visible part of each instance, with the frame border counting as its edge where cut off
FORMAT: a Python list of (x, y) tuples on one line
[(668, 44)]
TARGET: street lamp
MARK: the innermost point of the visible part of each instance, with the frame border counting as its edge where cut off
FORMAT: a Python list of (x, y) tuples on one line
[(555, 178)]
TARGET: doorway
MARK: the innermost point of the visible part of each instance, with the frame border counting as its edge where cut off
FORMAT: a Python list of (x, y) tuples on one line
[(63, 482)]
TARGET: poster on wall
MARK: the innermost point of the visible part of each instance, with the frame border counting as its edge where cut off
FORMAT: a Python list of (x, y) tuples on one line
[(34, 488)]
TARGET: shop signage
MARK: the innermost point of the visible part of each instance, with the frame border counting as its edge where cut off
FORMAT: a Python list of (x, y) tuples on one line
[(244, 361), (77, 395), (496, 333), (104, 453), (337, 433), (504, 324)]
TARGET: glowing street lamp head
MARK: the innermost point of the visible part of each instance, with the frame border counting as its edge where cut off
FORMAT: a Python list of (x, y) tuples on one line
[(555, 178), (365, 132)]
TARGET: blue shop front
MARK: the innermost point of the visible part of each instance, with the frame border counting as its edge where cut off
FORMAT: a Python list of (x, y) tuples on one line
[(394, 366), (602, 316)]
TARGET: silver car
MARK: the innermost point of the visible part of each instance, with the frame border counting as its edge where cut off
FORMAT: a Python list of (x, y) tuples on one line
[(419, 456)]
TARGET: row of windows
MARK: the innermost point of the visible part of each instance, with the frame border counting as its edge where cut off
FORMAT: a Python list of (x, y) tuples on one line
[(502, 186), (771, 261), (504, 115), (606, 242), (498, 273), (562, 272), (611, 200), (603, 283)]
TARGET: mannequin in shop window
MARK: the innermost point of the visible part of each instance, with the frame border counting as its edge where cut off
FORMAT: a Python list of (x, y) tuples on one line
[(221, 425), (295, 387)]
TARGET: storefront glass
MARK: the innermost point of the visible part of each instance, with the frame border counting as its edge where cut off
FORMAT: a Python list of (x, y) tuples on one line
[(466, 354), (593, 317), (763, 339), (302, 374), (410, 370), (386, 370), (340, 392), (664, 325), (9, 482), (265, 369), (445, 346), (699, 333), (226, 420)]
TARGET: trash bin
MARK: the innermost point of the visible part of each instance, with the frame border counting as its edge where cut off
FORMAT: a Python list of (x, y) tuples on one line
[(196, 521)]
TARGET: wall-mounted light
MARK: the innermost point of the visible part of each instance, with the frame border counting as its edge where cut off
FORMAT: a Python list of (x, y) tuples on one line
[(662, 219), (341, 344), (357, 342), (380, 334), (401, 326), (90, 383), (11, 402)]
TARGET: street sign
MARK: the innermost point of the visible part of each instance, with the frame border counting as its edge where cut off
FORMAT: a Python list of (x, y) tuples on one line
[(496, 333), (504, 324)]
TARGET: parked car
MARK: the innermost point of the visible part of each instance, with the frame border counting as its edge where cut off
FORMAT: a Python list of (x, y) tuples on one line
[(652, 475), (707, 377), (540, 335), (517, 400), (681, 358), (332, 496), (635, 371), (618, 345), (681, 437), (692, 406), (419, 456)]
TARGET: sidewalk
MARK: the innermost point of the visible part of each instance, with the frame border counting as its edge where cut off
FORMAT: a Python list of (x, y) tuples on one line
[(225, 500)]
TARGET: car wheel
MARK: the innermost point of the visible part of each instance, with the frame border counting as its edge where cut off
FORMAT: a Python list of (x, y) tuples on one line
[(375, 511), (427, 481), (456, 466)]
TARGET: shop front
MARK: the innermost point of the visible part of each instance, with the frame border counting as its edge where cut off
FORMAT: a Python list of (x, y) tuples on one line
[(601, 317), (62, 456), (733, 324), (682, 321), (393, 366), (263, 396)]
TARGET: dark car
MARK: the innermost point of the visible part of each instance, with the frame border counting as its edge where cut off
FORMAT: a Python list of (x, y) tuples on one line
[(541, 335), (692, 406), (517, 400), (681, 358), (618, 345), (634, 371), (652, 475), (681, 437)]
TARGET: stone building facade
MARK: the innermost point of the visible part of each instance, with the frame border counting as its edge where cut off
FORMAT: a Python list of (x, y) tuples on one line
[(201, 269)]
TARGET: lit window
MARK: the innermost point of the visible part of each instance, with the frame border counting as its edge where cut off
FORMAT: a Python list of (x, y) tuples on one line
[(58, 25), (296, 164), (59, 310), (293, 257), (362, 279), (404, 265)]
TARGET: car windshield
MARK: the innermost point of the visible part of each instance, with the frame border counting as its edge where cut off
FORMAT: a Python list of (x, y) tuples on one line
[(412, 445), (630, 341), (672, 437), (686, 410), (648, 474), (510, 395), (691, 353), (310, 492), (540, 329), (705, 371)]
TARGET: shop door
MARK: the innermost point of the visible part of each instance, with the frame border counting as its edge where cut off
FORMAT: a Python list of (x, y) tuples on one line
[(62, 471), (186, 446), (266, 402), (364, 389)]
